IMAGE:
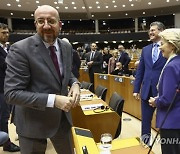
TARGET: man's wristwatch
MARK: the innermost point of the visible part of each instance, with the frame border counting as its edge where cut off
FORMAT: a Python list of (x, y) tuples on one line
[(77, 83)]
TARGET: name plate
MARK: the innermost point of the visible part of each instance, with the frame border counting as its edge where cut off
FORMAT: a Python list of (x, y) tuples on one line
[(103, 77), (132, 82), (118, 79), (86, 70)]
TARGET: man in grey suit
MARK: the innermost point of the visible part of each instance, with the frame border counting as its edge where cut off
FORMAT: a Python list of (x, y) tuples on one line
[(37, 78)]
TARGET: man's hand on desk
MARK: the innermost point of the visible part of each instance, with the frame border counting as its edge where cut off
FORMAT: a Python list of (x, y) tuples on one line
[(63, 102), (74, 92)]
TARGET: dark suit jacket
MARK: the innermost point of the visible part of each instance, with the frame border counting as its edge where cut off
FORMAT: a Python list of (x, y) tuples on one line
[(30, 77), (3, 55), (147, 74), (124, 59), (97, 62), (168, 84), (76, 64)]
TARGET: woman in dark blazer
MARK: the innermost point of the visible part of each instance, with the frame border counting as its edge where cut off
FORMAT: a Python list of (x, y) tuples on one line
[(169, 82)]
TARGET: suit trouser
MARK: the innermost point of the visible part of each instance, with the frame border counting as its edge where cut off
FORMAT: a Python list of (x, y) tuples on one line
[(170, 141), (62, 141), (147, 114), (4, 114)]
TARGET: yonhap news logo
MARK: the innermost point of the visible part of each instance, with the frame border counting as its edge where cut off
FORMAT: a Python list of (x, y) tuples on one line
[(147, 138)]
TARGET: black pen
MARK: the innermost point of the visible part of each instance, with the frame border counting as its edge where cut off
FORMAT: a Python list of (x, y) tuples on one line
[(84, 149)]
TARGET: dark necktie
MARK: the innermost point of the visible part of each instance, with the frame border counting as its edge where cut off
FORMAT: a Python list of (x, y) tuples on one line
[(55, 60), (92, 55), (155, 53)]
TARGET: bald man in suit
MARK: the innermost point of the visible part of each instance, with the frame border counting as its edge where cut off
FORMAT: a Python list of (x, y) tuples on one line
[(37, 79)]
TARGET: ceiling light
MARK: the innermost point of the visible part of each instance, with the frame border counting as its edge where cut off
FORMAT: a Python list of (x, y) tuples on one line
[(126, 14), (37, 2), (83, 7), (80, 19), (144, 12), (130, 0), (122, 41), (115, 6), (109, 15), (11, 14), (24, 18), (97, 2), (167, 1), (55, 2), (66, 7), (98, 7), (113, 1), (90, 7), (68, 22), (114, 41), (32, 15), (107, 7), (57, 7), (8, 4), (19, 5), (140, 40), (73, 3), (75, 7), (174, 14), (155, 16), (62, 23), (92, 15), (106, 42), (123, 5), (104, 23), (132, 4), (149, 3), (17, 0), (97, 41), (75, 42)]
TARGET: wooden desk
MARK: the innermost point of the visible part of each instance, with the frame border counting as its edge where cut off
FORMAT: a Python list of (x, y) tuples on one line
[(124, 87), (102, 79), (139, 149), (83, 137), (84, 75), (97, 123)]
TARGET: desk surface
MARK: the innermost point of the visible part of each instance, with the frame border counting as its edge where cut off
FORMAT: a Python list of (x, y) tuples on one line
[(97, 123)]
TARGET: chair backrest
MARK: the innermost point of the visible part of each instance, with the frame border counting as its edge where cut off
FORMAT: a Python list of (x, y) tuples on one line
[(87, 85), (101, 92), (116, 103)]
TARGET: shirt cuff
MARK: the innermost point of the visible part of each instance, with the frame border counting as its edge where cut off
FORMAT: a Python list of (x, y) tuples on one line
[(50, 101)]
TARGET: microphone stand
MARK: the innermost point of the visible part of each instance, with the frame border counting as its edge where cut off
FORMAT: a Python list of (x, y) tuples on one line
[(169, 108)]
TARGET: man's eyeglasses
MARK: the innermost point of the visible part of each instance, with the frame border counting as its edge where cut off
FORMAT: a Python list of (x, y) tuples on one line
[(51, 22)]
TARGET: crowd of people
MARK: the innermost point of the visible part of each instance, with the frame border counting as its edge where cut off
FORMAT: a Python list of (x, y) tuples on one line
[(39, 84)]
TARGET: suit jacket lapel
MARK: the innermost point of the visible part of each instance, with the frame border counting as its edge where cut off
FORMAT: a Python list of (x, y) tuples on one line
[(44, 52), (2, 52), (63, 58)]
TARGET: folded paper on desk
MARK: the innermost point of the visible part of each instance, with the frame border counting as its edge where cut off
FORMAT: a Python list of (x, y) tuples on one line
[(91, 106)]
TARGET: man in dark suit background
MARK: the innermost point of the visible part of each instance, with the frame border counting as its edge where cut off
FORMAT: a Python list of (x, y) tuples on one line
[(123, 57), (147, 76), (37, 79), (94, 61), (4, 107)]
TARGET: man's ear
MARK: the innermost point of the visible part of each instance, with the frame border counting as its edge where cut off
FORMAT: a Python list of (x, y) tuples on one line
[(60, 25)]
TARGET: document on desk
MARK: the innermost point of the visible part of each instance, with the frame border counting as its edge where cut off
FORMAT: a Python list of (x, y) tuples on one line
[(91, 106), (86, 97)]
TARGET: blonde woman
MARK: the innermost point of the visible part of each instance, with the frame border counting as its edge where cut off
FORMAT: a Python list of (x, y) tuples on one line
[(168, 85), (112, 61)]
